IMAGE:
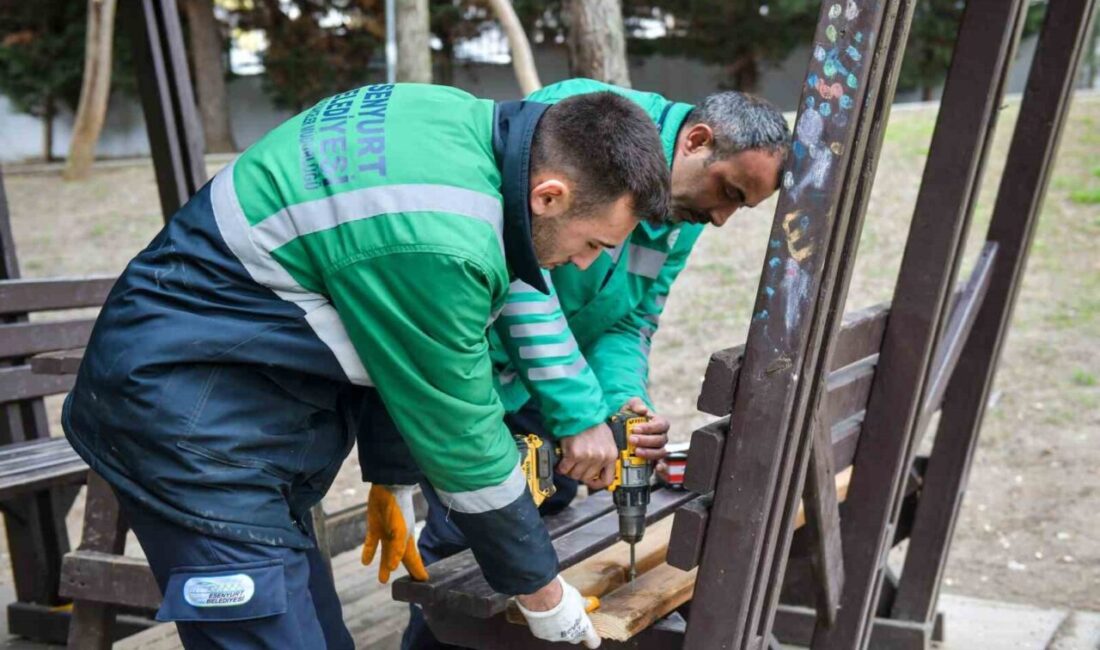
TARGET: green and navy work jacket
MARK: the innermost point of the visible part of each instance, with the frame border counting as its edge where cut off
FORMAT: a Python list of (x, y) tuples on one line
[(583, 350), (369, 241)]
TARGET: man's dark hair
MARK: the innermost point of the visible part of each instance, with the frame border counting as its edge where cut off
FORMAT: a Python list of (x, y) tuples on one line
[(607, 146), (741, 122)]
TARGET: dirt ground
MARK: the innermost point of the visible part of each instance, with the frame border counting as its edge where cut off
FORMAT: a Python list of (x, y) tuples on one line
[(1024, 535)]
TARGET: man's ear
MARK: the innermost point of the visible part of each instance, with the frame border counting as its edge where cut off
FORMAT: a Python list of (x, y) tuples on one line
[(698, 137), (550, 197)]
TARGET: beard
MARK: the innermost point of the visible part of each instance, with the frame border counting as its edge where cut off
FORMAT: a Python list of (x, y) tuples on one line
[(544, 238)]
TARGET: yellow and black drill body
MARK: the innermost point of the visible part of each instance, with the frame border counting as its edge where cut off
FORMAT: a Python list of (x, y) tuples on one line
[(630, 489)]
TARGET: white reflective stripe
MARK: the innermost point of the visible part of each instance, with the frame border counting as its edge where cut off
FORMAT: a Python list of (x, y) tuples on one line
[(661, 299), (532, 307), (486, 499), (326, 213), (614, 253), (557, 372), (547, 350), (319, 313), (645, 261), (653, 318), (519, 286), (506, 376), (556, 326)]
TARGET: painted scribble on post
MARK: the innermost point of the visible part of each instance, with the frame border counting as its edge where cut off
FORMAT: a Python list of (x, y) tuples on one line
[(829, 94)]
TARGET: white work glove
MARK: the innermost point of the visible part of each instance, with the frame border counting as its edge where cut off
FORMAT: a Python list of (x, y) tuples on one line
[(567, 621)]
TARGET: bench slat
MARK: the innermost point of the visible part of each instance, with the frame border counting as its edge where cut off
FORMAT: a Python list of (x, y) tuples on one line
[(19, 340), (23, 296), (21, 383), (860, 336)]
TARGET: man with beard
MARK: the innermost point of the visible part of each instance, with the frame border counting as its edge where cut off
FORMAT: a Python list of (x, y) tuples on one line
[(353, 257)]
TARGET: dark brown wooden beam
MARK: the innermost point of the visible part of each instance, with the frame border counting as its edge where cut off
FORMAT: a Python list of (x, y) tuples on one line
[(986, 41), (860, 336), (164, 84), (21, 296), (1039, 127), (21, 383), (25, 339)]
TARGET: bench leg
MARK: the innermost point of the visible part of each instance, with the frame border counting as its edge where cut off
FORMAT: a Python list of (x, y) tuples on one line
[(91, 627)]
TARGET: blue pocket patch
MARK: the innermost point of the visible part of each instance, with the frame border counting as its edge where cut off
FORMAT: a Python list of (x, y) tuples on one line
[(224, 592)]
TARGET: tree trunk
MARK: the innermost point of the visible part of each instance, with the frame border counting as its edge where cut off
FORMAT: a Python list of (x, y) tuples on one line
[(597, 43), (414, 55), (207, 49), (522, 60), (95, 88), (49, 113)]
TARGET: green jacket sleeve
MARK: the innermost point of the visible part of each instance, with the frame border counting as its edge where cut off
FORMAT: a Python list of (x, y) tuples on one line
[(544, 355), (418, 322), (620, 356)]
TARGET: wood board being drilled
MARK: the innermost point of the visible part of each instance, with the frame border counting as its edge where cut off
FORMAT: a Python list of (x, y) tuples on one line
[(628, 608)]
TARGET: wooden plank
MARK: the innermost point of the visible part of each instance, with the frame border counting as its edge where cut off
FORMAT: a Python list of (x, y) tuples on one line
[(61, 362), (21, 383), (704, 454), (21, 296), (860, 336), (1015, 216), (24, 339), (458, 567), (822, 516), (986, 41), (474, 597), (689, 527), (632, 608), (846, 439), (610, 568), (104, 534), (109, 578), (168, 103), (794, 625), (848, 388), (884, 70), (958, 329)]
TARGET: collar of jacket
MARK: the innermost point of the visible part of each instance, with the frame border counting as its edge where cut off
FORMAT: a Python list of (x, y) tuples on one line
[(668, 125), (513, 130)]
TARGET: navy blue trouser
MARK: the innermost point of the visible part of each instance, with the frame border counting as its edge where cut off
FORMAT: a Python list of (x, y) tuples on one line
[(236, 595), (441, 538)]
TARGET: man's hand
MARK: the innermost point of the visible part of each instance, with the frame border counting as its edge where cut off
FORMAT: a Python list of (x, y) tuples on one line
[(557, 612), (390, 524), (590, 456), (651, 437)]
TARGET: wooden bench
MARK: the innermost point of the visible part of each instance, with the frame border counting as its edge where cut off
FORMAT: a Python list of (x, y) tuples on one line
[(39, 474)]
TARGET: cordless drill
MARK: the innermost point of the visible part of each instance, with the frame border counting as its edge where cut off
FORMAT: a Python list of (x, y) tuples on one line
[(630, 489)]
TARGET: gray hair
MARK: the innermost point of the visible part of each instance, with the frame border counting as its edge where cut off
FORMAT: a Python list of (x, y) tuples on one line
[(741, 122)]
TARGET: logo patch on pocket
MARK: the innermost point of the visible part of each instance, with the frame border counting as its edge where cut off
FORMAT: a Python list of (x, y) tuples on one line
[(219, 591)]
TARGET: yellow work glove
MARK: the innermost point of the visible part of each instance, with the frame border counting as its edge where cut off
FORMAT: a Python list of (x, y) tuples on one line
[(390, 523)]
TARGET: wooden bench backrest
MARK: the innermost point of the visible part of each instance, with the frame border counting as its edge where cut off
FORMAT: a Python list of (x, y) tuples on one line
[(21, 338)]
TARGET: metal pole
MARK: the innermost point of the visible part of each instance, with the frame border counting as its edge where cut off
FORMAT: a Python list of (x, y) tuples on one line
[(391, 41)]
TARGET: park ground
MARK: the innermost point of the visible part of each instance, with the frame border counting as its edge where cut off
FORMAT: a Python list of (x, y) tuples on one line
[(1028, 530)]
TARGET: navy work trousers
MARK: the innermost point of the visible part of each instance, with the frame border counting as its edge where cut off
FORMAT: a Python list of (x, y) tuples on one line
[(234, 595)]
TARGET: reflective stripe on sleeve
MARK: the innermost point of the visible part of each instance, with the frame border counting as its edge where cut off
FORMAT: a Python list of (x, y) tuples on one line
[(556, 326), (486, 499), (548, 350), (557, 372)]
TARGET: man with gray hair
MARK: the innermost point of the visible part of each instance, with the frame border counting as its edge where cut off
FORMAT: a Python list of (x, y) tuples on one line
[(566, 361)]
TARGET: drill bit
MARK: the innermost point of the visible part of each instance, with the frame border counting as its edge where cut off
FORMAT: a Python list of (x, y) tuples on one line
[(633, 568)]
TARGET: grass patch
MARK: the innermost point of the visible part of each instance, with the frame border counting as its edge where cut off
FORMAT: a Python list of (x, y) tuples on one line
[(1096, 171), (1083, 378), (1090, 196)]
